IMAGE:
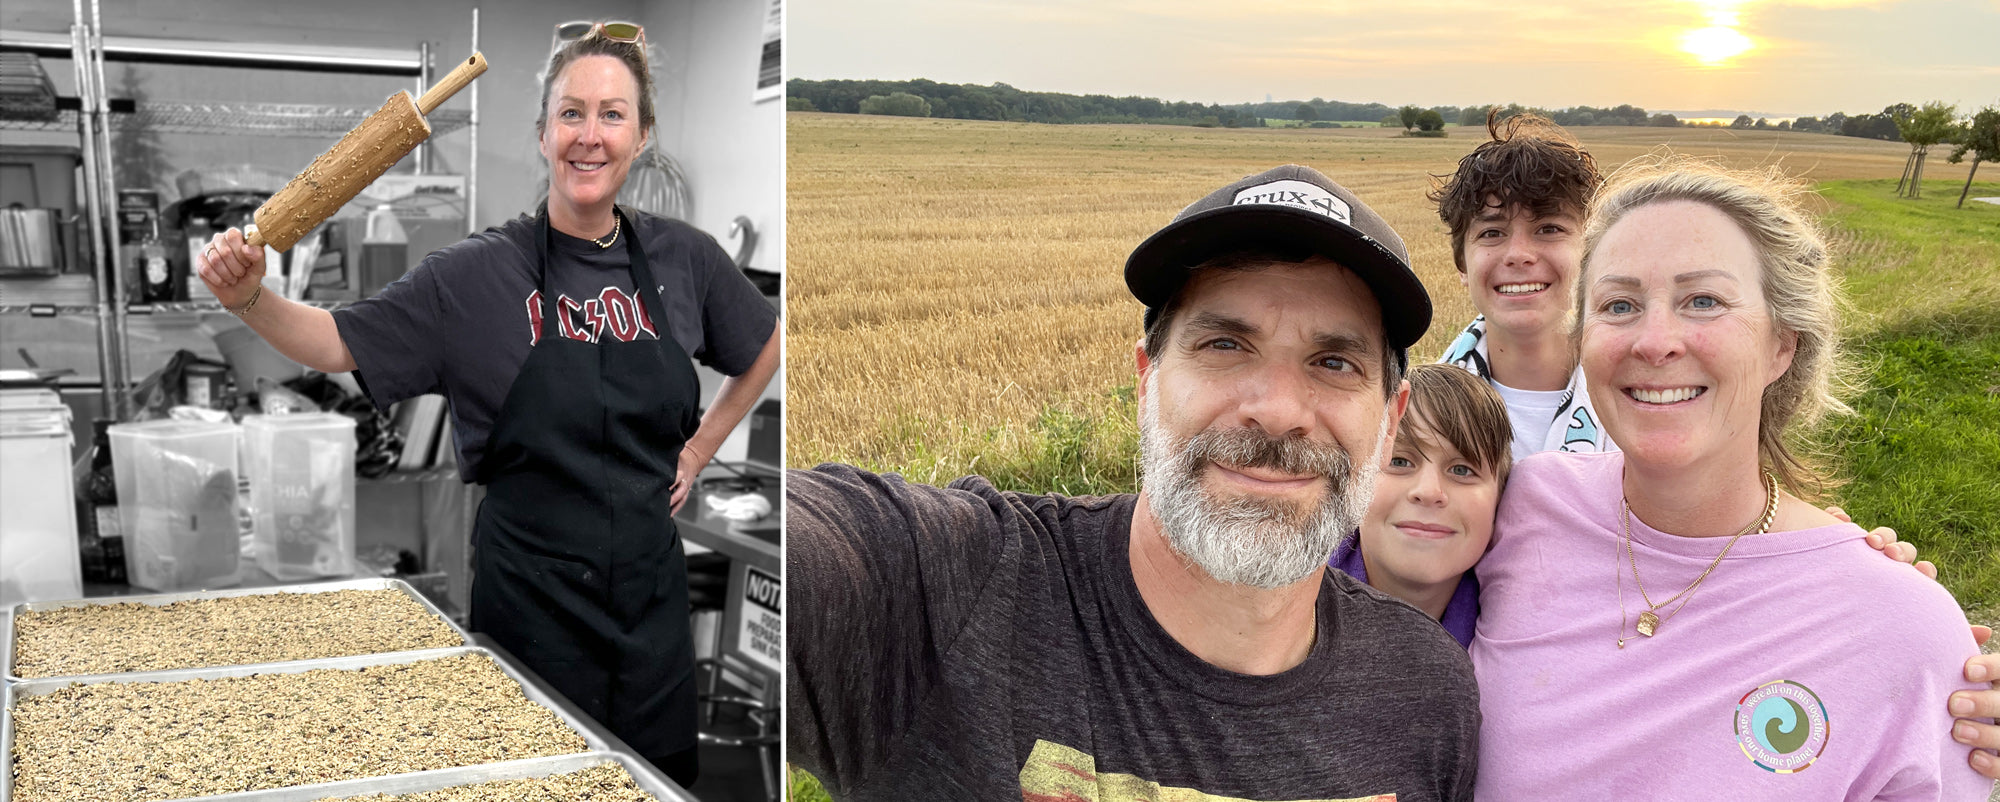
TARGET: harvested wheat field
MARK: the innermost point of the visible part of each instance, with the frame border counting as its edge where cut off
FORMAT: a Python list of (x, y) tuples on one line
[(956, 287)]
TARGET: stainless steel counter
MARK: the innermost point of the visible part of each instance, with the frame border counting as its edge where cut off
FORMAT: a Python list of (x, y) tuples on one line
[(759, 544)]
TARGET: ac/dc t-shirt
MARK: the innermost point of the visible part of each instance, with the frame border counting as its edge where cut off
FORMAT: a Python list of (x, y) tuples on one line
[(462, 322), (967, 643)]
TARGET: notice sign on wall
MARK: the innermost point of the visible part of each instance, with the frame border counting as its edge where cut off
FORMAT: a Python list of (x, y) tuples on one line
[(762, 626), (771, 57)]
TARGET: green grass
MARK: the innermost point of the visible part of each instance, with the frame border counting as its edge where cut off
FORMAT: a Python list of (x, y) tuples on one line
[(1921, 454), (1075, 449), (806, 788)]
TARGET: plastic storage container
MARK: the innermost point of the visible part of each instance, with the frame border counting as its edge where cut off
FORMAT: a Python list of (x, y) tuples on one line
[(38, 546), (301, 471), (177, 503), (30, 400)]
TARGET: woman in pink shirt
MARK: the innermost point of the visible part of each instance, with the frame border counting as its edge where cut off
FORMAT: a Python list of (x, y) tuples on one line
[(1673, 620)]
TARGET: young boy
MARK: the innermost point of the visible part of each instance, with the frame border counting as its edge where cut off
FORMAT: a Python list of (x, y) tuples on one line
[(1516, 208), (1432, 513)]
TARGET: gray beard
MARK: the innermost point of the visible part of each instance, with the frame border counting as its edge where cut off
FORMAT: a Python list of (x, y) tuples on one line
[(1262, 543)]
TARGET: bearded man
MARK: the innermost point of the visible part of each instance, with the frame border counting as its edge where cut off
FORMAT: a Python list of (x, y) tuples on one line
[(1183, 643)]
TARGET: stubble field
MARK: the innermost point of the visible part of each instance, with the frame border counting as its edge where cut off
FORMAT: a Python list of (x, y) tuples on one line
[(957, 305), (957, 301)]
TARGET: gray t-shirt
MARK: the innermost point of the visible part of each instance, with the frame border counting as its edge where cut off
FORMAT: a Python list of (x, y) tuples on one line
[(966, 643), (462, 321)]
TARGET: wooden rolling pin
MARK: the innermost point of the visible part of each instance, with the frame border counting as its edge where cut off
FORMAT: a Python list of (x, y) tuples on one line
[(359, 158)]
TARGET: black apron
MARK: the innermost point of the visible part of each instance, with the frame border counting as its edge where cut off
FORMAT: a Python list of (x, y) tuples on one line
[(577, 567)]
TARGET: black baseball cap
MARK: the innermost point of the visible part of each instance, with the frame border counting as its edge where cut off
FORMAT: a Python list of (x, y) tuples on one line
[(1289, 209)]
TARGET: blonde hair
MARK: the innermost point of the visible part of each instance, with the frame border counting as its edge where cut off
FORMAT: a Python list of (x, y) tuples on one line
[(1801, 295)]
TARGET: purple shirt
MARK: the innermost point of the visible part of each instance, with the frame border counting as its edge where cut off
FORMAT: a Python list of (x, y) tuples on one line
[(1794, 635), (1460, 614)]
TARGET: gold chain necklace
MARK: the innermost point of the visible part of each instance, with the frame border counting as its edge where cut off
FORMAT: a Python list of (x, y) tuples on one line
[(1650, 620), (616, 223)]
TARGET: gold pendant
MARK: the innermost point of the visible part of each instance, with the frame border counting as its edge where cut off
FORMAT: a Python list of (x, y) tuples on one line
[(1648, 623)]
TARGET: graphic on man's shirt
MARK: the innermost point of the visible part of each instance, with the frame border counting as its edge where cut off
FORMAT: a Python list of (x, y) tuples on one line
[(1781, 726), (1057, 773), (612, 314)]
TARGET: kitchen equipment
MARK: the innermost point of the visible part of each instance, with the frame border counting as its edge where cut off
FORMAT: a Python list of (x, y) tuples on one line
[(30, 242), (177, 503), (301, 471), (38, 546), (360, 157), (594, 737), (742, 226), (251, 358), (656, 184), (10, 617), (202, 385), (40, 176), (385, 250), (26, 93), (643, 774)]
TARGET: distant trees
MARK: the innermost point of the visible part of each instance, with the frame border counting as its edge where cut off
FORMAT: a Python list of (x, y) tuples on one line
[(1000, 101), (1430, 120), (1408, 115), (1922, 127), (899, 104), (1742, 121), (1473, 115), (799, 104), (1979, 138), (1664, 120), (1874, 126), (1306, 113)]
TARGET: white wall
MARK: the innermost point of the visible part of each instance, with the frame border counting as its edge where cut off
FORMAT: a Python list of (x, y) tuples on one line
[(731, 148)]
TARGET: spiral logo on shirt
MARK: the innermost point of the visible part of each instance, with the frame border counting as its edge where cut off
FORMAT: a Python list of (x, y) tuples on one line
[(1781, 726)]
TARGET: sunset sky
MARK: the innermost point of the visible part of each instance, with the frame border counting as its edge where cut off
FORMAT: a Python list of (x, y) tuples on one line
[(1776, 57)]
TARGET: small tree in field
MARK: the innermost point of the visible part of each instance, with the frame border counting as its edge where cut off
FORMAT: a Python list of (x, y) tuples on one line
[(1923, 127), (1409, 115), (1980, 138), (1430, 120), (900, 104)]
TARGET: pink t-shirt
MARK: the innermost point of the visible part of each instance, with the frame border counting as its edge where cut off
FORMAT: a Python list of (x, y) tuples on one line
[(1807, 665)]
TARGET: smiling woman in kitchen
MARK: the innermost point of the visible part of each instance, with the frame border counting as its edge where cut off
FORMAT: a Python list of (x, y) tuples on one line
[(562, 340)]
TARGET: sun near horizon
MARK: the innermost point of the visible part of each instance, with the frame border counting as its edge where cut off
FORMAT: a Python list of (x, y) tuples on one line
[(1720, 41)]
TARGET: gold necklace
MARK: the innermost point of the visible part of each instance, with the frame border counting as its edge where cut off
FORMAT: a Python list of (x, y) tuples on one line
[(616, 223), (1650, 620)]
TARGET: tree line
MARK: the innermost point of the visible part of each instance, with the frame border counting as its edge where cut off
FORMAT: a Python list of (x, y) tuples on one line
[(924, 98), (1921, 126)]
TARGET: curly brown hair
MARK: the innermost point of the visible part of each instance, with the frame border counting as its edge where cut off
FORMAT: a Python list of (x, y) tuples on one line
[(1529, 161)]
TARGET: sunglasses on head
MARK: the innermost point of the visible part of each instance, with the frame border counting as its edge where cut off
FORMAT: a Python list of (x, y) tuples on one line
[(615, 31)]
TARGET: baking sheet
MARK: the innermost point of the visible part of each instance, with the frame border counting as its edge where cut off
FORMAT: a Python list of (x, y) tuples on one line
[(163, 599), (595, 739), (642, 773)]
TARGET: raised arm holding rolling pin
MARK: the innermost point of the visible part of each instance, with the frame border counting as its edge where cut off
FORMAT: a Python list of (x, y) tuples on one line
[(563, 341)]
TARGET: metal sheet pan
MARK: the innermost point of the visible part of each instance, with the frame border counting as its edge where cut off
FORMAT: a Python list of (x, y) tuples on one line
[(642, 773), (163, 599), (594, 738)]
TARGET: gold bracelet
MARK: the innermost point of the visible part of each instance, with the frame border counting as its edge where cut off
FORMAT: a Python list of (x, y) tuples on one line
[(254, 295)]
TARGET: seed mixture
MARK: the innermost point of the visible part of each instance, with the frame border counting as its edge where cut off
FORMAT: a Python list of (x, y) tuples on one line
[(237, 630), (605, 783), (151, 741)]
